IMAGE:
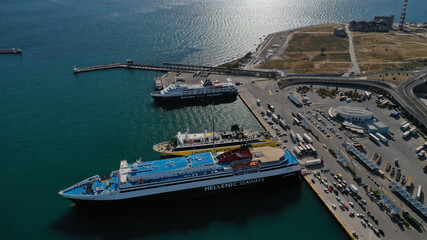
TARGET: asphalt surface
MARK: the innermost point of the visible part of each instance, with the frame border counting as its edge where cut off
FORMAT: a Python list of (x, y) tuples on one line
[(266, 92), (405, 91), (403, 95)]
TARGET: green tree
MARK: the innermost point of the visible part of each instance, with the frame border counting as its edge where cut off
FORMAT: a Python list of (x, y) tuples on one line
[(323, 50)]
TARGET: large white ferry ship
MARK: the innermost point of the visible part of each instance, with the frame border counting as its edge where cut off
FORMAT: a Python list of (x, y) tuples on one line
[(189, 143), (195, 174), (183, 91)]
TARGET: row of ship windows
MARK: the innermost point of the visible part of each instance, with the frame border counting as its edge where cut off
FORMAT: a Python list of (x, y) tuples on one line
[(175, 171), (175, 175)]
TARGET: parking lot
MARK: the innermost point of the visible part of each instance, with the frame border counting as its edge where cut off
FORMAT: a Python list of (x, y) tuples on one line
[(330, 138)]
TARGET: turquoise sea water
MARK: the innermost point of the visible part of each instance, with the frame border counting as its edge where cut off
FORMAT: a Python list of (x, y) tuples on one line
[(58, 128)]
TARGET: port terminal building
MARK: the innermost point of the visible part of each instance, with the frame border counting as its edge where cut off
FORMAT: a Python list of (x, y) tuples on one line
[(358, 119)]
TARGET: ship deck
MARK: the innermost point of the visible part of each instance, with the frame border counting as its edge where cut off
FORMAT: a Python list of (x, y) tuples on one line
[(170, 164), (107, 185), (269, 154)]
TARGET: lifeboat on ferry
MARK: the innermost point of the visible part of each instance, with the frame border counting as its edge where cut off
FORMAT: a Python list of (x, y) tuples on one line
[(253, 164), (239, 166)]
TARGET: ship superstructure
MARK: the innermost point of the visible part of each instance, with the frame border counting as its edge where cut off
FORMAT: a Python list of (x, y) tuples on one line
[(183, 91), (189, 143), (193, 174)]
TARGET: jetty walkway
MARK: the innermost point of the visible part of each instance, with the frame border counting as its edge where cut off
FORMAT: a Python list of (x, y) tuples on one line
[(167, 67)]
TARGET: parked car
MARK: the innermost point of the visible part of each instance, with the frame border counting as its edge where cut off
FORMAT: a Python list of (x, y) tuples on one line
[(355, 234)]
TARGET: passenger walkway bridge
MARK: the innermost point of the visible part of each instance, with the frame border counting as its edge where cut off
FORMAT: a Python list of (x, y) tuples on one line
[(166, 67)]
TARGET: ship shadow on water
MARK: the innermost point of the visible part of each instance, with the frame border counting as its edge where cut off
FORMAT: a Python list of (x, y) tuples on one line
[(149, 219), (173, 105)]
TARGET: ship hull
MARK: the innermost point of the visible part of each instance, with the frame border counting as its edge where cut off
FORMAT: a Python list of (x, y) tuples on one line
[(227, 184), (198, 97), (217, 149)]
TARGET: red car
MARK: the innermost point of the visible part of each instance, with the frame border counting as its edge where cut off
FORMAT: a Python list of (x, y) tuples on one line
[(346, 207), (330, 189)]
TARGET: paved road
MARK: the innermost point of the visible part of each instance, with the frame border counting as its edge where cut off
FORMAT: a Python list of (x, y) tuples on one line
[(260, 55), (266, 93), (355, 69), (405, 90)]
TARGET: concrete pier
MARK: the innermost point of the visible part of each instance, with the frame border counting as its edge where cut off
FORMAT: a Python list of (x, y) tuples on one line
[(121, 65), (166, 67)]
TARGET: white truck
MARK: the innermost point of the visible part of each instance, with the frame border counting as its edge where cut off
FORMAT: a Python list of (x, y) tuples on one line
[(353, 188), (405, 126), (419, 192), (297, 151), (283, 124), (418, 149), (406, 134), (382, 138), (374, 138), (313, 162), (275, 118), (299, 138), (307, 138), (368, 95), (293, 136)]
